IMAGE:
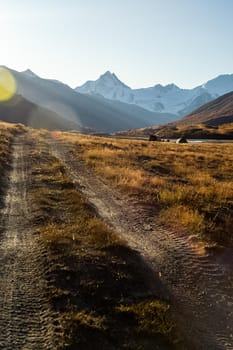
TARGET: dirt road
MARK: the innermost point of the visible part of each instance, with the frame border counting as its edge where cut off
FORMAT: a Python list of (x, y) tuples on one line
[(201, 284), (25, 317)]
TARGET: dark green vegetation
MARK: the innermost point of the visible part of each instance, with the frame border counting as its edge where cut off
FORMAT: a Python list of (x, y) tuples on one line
[(101, 288), (189, 186)]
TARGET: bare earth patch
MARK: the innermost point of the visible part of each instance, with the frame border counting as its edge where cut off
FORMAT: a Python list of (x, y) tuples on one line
[(26, 320)]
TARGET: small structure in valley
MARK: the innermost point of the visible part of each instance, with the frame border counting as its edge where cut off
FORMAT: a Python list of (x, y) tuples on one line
[(182, 140), (153, 138)]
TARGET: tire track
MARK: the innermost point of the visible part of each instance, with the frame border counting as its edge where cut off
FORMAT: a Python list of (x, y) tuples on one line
[(201, 284), (25, 318)]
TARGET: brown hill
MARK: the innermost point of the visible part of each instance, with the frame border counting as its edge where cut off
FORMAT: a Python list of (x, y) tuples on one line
[(214, 120), (214, 113)]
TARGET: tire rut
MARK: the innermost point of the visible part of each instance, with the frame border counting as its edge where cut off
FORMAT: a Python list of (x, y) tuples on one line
[(26, 321), (201, 284)]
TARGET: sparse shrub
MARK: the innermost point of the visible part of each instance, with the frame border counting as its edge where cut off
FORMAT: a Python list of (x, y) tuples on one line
[(151, 316), (179, 216)]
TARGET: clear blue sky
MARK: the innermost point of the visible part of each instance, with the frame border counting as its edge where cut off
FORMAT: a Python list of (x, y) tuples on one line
[(143, 41)]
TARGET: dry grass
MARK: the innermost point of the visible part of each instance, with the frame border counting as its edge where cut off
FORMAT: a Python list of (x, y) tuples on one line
[(197, 131), (7, 134), (191, 184), (91, 270), (172, 131), (151, 316)]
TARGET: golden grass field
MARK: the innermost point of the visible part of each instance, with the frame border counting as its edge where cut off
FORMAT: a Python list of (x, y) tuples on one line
[(190, 186), (197, 131), (95, 276), (98, 285), (7, 132)]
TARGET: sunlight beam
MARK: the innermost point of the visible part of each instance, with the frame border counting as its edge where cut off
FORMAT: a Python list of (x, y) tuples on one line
[(7, 85)]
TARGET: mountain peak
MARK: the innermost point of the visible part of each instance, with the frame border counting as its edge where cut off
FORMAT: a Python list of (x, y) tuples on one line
[(159, 98), (30, 73), (172, 86), (111, 79), (107, 74)]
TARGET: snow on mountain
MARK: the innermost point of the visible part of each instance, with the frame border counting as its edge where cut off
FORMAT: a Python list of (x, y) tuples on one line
[(108, 86), (69, 110), (159, 98), (220, 85)]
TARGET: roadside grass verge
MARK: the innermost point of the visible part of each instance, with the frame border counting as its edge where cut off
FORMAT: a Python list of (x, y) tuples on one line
[(106, 296), (196, 131), (7, 134), (189, 186)]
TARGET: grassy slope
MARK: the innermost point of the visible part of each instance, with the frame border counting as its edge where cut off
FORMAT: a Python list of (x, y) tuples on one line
[(214, 112), (197, 131), (189, 186), (99, 286)]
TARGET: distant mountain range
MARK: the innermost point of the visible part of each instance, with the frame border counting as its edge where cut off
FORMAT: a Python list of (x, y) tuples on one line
[(19, 110), (79, 111), (163, 99), (214, 120), (106, 105)]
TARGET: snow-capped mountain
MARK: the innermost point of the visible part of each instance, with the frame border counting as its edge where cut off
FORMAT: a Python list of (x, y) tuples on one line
[(220, 85), (109, 105), (159, 98), (63, 108)]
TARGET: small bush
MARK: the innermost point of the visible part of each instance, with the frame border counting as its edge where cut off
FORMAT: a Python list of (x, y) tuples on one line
[(151, 316)]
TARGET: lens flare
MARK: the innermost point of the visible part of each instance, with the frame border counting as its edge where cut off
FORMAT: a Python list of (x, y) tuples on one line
[(7, 85)]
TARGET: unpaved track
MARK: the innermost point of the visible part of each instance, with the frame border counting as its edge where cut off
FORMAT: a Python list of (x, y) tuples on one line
[(201, 285), (25, 317)]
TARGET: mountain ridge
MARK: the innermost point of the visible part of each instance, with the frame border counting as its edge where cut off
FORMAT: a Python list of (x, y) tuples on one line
[(121, 109), (159, 98), (83, 111), (216, 112), (214, 120)]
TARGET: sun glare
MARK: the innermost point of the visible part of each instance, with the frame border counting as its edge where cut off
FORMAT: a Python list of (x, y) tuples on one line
[(7, 84)]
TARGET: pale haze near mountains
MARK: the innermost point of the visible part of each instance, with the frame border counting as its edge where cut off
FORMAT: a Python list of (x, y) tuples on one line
[(163, 99)]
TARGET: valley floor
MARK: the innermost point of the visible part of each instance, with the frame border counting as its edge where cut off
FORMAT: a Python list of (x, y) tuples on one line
[(200, 284), (67, 280), (85, 266)]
